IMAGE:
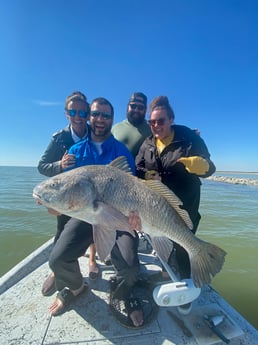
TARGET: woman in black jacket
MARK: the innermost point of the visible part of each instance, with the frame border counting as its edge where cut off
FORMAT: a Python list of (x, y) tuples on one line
[(177, 156), (55, 160)]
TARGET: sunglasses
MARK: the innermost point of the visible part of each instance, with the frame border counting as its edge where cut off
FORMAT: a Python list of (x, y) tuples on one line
[(137, 106), (73, 112), (159, 122), (105, 116)]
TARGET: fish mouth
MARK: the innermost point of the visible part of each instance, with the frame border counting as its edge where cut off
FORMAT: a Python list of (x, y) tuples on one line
[(37, 198)]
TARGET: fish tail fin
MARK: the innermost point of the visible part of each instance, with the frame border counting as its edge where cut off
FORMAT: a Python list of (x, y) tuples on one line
[(206, 263)]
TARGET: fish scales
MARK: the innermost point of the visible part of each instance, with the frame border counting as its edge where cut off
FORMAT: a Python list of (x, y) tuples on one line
[(134, 195)]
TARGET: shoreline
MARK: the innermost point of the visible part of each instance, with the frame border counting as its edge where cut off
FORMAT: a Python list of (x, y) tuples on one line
[(234, 180), (236, 172)]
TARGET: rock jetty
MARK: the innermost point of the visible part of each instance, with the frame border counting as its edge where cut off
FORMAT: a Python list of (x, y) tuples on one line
[(235, 180)]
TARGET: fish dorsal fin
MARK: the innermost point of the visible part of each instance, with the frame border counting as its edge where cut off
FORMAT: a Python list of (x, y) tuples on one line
[(172, 199), (122, 164)]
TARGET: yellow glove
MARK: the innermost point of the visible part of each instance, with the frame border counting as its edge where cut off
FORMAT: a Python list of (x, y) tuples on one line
[(195, 165)]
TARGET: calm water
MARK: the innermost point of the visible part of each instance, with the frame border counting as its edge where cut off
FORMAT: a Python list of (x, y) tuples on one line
[(229, 219)]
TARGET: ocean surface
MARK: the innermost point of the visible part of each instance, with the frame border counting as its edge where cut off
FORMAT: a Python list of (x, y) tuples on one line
[(229, 219)]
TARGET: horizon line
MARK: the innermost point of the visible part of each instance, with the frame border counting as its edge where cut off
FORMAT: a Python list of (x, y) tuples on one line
[(217, 171)]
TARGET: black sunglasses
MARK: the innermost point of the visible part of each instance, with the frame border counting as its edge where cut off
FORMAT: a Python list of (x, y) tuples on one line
[(137, 106), (105, 116), (73, 112), (159, 122)]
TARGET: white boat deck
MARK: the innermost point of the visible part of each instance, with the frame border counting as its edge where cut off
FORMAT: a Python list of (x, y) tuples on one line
[(25, 319)]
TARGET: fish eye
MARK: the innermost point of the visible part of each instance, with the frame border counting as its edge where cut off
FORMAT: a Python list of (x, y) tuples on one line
[(53, 184)]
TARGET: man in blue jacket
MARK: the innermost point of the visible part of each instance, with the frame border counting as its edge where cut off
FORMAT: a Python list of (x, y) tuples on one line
[(99, 147)]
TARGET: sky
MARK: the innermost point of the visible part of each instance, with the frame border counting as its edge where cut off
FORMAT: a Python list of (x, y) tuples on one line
[(201, 54)]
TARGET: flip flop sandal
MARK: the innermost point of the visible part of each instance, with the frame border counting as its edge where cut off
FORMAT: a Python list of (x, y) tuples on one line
[(66, 297), (139, 299), (93, 272), (133, 304)]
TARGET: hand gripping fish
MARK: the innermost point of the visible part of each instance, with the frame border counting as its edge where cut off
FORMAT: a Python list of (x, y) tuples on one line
[(103, 195)]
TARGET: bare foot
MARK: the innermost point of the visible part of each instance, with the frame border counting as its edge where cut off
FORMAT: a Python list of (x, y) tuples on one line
[(56, 307), (63, 298), (137, 318), (48, 286)]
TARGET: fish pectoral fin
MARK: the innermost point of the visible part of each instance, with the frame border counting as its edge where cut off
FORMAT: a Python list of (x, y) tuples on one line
[(171, 198), (104, 240), (163, 247), (121, 163), (108, 220), (112, 218)]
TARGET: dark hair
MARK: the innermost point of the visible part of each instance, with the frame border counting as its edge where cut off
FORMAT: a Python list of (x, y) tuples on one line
[(103, 101), (139, 97), (77, 96), (162, 102)]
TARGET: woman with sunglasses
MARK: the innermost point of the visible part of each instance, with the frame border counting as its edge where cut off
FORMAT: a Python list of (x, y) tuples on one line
[(177, 156), (56, 159)]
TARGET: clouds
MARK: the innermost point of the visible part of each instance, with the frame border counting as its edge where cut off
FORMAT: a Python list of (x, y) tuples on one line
[(44, 103)]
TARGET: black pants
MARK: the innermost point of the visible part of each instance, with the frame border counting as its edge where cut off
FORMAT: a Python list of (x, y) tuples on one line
[(61, 221), (72, 243), (124, 257)]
